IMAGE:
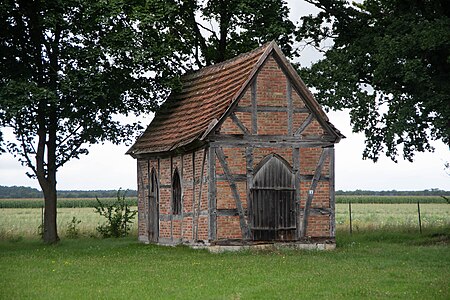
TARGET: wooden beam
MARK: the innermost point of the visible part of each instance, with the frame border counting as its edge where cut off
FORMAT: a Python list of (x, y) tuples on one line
[(141, 194), (289, 105), (271, 109), (254, 108), (312, 190), (332, 195), (239, 124), (193, 196), (249, 168), (304, 125), (182, 194), (296, 171), (171, 198), (229, 212), (244, 226), (148, 199), (212, 201), (159, 195), (318, 211), (310, 177), (237, 143), (200, 194), (269, 138), (236, 177)]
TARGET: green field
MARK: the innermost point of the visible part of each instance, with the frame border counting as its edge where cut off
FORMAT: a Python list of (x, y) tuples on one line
[(389, 199), (23, 222), (132, 201), (386, 257), (62, 202)]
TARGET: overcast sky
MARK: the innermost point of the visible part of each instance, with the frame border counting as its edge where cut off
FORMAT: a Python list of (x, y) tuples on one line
[(107, 166)]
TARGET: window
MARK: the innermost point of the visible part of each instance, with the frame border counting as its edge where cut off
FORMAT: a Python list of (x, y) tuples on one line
[(176, 193)]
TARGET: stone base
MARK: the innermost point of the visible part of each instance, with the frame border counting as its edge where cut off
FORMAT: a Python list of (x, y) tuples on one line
[(232, 247)]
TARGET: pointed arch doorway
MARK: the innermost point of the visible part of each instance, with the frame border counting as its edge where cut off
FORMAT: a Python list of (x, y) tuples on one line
[(273, 201)]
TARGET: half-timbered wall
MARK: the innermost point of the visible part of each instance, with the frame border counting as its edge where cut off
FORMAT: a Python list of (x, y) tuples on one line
[(271, 118), (218, 182), (192, 222)]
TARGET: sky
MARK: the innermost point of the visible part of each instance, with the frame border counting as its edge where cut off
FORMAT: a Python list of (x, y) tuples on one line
[(107, 167)]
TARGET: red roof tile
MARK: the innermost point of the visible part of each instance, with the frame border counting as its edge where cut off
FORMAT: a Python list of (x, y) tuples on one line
[(206, 94)]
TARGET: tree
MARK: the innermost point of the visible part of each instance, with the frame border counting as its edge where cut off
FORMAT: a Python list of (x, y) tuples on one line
[(68, 68), (389, 64), (215, 30)]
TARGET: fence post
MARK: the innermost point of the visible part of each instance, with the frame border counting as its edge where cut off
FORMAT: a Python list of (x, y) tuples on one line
[(420, 220), (350, 213)]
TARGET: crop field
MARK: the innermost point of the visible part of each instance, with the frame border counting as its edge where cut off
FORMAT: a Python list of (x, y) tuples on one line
[(389, 199), (62, 202), (132, 201), (24, 222)]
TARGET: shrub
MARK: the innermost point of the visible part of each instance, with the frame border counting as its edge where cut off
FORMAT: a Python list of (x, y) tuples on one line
[(72, 229), (119, 217)]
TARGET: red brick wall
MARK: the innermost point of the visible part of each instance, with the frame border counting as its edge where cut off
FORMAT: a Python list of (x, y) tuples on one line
[(318, 226), (273, 123), (228, 228), (229, 127), (297, 102), (246, 99), (174, 227), (271, 85), (314, 128)]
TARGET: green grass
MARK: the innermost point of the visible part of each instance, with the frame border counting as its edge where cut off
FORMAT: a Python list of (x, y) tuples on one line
[(379, 264), (385, 257)]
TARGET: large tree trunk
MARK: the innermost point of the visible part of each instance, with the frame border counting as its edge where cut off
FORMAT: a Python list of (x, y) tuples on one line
[(46, 171), (50, 229)]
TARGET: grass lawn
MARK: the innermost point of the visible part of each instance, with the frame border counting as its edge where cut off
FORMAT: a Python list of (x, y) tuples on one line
[(369, 264)]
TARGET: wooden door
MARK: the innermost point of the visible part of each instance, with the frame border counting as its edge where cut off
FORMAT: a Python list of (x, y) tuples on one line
[(153, 209), (273, 201)]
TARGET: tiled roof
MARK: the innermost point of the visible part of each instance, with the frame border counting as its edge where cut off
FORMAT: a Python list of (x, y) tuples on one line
[(205, 97)]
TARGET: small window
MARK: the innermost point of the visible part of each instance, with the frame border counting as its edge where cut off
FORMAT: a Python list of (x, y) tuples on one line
[(176, 193)]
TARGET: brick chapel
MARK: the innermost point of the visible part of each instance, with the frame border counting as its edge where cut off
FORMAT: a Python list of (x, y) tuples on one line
[(242, 154)]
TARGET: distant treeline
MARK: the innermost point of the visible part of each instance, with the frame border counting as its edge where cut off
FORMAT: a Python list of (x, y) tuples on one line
[(7, 192), (28, 192), (430, 192)]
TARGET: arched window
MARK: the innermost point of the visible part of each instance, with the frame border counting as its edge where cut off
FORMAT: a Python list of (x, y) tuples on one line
[(176, 193), (273, 200)]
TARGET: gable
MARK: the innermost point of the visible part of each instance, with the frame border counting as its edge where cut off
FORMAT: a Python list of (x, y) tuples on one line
[(280, 109)]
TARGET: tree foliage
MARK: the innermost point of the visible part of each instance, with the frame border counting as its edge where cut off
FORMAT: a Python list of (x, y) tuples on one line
[(68, 68), (389, 64)]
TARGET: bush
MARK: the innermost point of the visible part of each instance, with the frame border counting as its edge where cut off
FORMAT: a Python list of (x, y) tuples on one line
[(118, 217), (72, 229)]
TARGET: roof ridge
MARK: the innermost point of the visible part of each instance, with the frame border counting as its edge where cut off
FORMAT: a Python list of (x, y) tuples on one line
[(228, 61)]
